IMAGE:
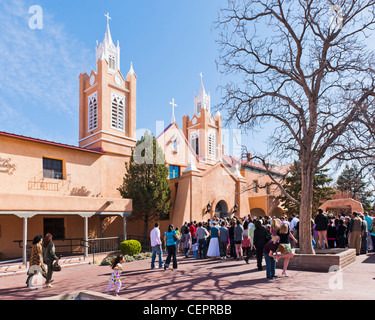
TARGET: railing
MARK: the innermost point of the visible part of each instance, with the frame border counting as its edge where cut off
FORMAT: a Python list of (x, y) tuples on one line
[(76, 246), (55, 181), (66, 247)]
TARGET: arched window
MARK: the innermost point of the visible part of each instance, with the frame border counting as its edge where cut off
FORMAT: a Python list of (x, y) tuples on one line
[(118, 112), (92, 112)]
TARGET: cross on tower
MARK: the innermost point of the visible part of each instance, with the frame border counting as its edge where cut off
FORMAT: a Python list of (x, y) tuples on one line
[(108, 17), (201, 74), (173, 106)]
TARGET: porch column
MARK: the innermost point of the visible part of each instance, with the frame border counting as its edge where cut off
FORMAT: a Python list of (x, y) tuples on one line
[(126, 214), (86, 217), (86, 236), (24, 216), (24, 246)]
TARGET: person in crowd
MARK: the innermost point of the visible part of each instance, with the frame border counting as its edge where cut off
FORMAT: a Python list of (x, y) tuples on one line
[(341, 234), (355, 233), (269, 248), (178, 241), (251, 234), (293, 223), (156, 246), (283, 220), (231, 240), (261, 237), (49, 256), (284, 255), (246, 242), (192, 230), (285, 236), (275, 226), (183, 227), (213, 247), (36, 256), (372, 233), (115, 280), (321, 221), (369, 240), (170, 238), (238, 237), (223, 240), (347, 223), (364, 235), (186, 242), (202, 234), (331, 234)]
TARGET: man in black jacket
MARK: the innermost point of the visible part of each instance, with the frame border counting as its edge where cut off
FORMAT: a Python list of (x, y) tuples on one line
[(261, 237)]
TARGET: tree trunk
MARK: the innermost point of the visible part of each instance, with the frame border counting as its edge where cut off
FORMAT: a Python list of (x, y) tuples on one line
[(145, 231), (305, 232)]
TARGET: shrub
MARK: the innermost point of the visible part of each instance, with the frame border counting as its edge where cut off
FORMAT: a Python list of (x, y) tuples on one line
[(141, 256), (130, 247)]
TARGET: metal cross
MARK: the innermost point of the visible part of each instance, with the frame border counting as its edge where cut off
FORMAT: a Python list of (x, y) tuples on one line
[(108, 17), (173, 106)]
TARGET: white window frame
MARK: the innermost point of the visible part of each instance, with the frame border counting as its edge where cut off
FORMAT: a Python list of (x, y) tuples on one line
[(92, 114), (118, 111), (195, 135), (211, 143), (112, 61)]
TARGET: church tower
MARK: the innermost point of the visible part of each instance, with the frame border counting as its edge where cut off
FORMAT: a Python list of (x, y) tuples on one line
[(107, 102), (203, 130)]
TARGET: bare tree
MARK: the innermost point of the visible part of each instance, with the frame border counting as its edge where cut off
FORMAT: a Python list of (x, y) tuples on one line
[(305, 65)]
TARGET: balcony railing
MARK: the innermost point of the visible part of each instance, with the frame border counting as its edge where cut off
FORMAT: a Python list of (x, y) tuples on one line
[(49, 180)]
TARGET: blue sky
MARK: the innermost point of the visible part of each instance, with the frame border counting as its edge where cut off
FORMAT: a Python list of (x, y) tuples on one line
[(169, 42)]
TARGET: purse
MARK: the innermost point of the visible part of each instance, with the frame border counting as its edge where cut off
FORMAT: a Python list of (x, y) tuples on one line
[(56, 266)]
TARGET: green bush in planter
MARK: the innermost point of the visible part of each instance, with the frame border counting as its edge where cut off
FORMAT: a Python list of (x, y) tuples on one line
[(130, 247)]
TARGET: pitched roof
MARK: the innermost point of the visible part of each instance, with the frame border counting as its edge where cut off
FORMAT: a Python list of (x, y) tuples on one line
[(281, 170), (51, 143)]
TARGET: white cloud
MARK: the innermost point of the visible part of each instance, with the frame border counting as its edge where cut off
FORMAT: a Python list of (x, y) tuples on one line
[(39, 70)]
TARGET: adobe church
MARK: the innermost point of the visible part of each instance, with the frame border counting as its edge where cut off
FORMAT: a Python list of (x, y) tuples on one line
[(71, 191)]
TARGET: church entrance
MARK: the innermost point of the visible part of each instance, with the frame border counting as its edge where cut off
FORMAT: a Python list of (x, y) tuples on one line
[(221, 210)]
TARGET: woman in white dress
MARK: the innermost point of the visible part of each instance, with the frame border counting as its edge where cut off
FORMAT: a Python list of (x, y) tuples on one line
[(213, 248)]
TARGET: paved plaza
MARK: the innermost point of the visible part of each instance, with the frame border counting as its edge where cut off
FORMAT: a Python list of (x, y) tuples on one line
[(206, 280)]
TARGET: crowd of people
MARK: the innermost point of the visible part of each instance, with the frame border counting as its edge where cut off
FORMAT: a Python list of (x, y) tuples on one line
[(246, 237), (355, 231), (268, 238), (225, 238)]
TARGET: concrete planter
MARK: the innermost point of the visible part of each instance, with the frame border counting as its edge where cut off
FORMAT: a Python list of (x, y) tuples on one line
[(323, 261), (84, 295)]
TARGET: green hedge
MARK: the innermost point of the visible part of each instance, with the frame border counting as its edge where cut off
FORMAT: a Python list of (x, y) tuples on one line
[(130, 247)]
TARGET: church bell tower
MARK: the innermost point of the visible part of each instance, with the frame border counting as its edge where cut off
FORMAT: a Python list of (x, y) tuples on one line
[(203, 130), (107, 102)]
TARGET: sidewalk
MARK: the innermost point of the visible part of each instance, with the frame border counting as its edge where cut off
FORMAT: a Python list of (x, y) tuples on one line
[(206, 280), (17, 268)]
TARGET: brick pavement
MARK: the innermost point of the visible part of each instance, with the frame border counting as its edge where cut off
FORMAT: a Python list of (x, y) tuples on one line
[(206, 280)]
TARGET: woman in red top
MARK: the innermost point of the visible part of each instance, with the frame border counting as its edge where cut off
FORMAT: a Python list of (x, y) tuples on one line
[(192, 230)]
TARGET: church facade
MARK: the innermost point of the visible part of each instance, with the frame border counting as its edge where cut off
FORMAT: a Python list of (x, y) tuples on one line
[(71, 191)]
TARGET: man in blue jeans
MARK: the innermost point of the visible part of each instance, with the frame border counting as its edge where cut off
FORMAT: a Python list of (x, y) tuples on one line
[(156, 246), (269, 248), (202, 234)]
